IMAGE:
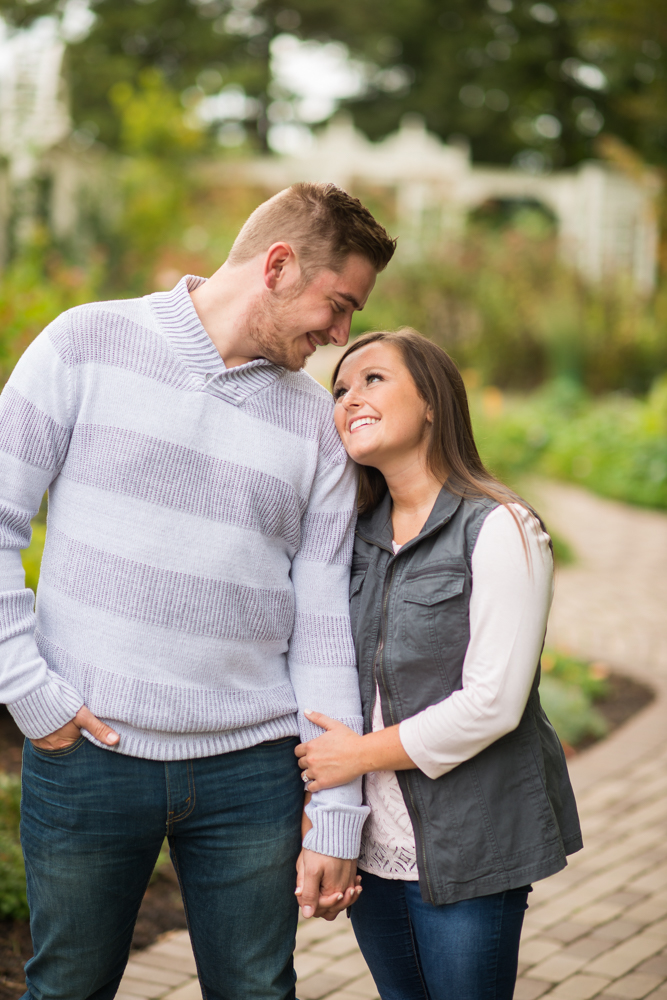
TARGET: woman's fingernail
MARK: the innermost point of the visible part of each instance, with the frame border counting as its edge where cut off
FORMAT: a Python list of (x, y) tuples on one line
[(112, 737), (308, 911), (298, 890), (339, 897), (307, 711)]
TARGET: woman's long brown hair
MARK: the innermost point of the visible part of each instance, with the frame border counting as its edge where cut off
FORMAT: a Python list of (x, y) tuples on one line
[(452, 453)]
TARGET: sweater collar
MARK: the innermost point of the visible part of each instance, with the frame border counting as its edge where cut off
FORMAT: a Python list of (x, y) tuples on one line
[(194, 348), (377, 529)]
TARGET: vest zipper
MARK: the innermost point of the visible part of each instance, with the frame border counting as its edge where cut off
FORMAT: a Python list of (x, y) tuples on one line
[(421, 837), (377, 662)]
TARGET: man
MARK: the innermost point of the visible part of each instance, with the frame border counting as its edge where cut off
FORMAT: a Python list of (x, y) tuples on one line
[(192, 604)]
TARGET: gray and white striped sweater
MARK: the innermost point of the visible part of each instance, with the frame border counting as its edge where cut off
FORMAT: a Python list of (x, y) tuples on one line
[(193, 591)]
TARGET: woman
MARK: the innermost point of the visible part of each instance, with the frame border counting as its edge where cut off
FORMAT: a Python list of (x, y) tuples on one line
[(450, 591)]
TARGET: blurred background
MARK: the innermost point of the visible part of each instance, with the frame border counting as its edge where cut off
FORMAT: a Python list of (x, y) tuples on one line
[(517, 149), (519, 152)]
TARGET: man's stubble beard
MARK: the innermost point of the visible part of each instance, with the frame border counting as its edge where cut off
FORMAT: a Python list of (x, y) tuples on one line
[(264, 323)]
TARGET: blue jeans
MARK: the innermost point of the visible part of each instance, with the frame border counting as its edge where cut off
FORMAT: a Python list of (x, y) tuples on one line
[(92, 825), (460, 951)]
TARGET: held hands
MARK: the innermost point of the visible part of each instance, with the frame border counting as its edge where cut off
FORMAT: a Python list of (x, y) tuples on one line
[(333, 758), (71, 731), (324, 885)]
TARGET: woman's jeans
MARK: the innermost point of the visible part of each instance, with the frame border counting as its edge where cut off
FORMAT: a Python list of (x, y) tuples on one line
[(460, 951), (92, 825)]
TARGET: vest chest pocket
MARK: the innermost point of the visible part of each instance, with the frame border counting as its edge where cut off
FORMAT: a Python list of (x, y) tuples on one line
[(429, 607)]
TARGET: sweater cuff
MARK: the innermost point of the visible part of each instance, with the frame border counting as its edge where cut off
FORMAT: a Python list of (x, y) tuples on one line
[(336, 830), (46, 709), (408, 733)]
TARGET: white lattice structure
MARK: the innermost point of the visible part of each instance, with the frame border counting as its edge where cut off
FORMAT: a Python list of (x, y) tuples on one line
[(606, 220), (33, 113)]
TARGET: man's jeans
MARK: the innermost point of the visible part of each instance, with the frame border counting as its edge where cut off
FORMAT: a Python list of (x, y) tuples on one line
[(460, 951), (92, 825)]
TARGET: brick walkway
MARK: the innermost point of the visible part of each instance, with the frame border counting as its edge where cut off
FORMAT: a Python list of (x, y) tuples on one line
[(599, 928)]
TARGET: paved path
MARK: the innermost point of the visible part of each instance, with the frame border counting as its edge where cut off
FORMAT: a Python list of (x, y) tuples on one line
[(599, 928)]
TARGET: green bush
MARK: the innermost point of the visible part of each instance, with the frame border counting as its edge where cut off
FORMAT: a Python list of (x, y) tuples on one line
[(568, 689), (614, 445), (13, 902), (33, 291)]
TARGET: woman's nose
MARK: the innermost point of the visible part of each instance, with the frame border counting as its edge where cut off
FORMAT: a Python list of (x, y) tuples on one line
[(351, 401)]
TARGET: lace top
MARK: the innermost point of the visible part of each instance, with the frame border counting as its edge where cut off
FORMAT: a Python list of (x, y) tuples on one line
[(388, 841)]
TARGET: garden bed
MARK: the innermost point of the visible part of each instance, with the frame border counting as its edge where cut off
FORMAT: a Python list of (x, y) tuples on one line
[(162, 908)]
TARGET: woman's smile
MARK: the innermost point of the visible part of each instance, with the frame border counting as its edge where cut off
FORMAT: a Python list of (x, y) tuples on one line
[(357, 422), (373, 386)]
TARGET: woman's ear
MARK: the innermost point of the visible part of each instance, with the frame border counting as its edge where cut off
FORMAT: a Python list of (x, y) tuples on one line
[(429, 415)]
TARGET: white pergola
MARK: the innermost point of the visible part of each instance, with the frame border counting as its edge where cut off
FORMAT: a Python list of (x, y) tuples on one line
[(607, 221)]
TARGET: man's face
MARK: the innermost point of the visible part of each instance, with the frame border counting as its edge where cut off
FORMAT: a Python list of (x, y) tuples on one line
[(295, 321)]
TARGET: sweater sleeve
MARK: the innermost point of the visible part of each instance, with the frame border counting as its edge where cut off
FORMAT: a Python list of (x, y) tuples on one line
[(322, 659), (511, 596), (36, 417)]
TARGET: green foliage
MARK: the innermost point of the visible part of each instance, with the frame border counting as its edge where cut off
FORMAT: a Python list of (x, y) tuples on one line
[(568, 689), (162, 859), (32, 556), (33, 291), (151, 119), (13, 902), (615, 445), (505, 304), (484, 70)]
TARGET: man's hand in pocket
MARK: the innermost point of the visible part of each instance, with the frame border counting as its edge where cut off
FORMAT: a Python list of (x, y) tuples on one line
[(70, 732)]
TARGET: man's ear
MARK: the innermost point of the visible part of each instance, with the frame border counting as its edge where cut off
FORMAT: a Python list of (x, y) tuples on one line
[(277, 258)]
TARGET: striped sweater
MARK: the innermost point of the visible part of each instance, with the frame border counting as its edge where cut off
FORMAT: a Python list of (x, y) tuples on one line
[(193, 591)]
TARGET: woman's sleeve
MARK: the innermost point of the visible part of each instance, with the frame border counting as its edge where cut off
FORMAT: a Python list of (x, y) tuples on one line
[(511, 596)]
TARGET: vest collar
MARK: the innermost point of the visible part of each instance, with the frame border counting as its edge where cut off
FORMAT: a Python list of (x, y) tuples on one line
[(376, 527), (194, 348)]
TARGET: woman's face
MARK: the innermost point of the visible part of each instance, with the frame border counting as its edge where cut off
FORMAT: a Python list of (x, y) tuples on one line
[(381, 418)]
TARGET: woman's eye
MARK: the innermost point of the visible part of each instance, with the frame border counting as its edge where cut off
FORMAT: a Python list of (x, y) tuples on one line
[(338, 393), (373, 378)]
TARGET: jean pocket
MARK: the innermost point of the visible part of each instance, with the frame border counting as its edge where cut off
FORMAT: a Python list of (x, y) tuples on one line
[(280, 741), (61, 751)]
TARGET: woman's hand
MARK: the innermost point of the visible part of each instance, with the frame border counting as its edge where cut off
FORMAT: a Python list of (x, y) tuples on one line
[(341, 755), (331, 759)]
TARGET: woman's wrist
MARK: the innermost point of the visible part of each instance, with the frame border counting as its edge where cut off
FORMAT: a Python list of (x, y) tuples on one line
[(383, 751)]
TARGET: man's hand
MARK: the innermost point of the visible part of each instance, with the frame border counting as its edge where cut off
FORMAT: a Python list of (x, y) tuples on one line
[(69, 733), (324, 885)]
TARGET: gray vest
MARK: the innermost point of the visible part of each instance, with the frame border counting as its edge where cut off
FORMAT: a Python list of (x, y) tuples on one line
[(506, 817)]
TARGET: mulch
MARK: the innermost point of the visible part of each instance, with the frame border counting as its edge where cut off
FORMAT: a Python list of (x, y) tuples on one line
[(162, 908)]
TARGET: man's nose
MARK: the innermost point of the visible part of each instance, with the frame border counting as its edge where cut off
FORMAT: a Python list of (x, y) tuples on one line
[(339, 333)]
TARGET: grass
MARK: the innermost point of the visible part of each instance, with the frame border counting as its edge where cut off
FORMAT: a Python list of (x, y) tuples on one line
[(13, 902)]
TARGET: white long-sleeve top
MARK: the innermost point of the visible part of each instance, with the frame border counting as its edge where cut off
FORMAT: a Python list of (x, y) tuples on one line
[(511, 596)]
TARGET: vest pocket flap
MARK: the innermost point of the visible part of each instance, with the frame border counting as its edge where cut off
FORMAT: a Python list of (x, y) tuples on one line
[(433, 589), (356, 582)]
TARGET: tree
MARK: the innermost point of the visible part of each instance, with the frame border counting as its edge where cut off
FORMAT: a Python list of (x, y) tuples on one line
[(529, 82)]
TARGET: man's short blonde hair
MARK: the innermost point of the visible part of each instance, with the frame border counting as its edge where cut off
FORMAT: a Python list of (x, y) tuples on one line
[(322, 223)]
